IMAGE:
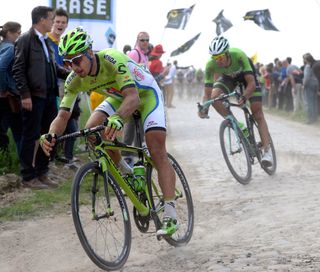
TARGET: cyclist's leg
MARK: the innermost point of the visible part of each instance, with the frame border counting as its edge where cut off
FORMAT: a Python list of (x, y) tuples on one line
[(153, 118), (256, 109), (155, 140), (222, 85), (100, 114)]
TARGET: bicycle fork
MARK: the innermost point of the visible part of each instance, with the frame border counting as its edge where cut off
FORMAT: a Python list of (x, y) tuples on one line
[(235, 127)]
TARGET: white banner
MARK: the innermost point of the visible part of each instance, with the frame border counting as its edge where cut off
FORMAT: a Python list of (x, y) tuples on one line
[(97, 17)]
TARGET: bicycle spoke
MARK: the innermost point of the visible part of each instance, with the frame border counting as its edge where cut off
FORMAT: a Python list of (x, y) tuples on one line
[(235, 152)]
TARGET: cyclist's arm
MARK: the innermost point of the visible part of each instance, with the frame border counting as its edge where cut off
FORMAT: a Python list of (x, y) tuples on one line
[(130, 102), (57, 127), (208, 81), (251, 85), (59, 124)]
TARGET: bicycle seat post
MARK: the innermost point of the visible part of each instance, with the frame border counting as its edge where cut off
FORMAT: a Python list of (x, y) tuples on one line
[(137, 117)]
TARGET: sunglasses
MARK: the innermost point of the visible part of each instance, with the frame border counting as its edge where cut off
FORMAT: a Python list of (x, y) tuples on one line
[(144, 40), (219, 57), (75, 60)]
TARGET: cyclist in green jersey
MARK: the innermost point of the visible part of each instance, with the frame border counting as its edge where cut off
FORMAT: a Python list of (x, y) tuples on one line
[(128, 87), (227, 69)]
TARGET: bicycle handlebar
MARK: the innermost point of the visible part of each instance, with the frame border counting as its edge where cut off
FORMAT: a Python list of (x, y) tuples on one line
[(224, 97), (81, 133)]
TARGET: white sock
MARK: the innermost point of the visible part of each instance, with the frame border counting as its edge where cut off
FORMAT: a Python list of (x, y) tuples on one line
[(170, 209), (125, 167)]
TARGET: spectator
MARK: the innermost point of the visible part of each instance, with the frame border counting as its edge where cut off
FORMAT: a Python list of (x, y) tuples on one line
[(295, 75), (275, 82), (168, 84), (311, 87), (287, 103), (10, 110), (265, 83), (60, 23), (269, 84), (126, 49), (155, 64), (35, 73), (95, 100), (139, 55), (316, 71), (180, 82), (191, 81), (200, 77)]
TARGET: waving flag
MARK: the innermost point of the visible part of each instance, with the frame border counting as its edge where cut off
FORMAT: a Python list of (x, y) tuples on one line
[(223, 24), (178, 18), (254, 58), (262, 18), (185, 47)]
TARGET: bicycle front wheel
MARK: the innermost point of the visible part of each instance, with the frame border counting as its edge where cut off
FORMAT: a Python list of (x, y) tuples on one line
[(103, 230), (235, 152), (184, 203)]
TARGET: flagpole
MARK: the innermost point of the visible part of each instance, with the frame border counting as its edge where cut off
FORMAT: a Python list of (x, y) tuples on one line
[(164, 30)]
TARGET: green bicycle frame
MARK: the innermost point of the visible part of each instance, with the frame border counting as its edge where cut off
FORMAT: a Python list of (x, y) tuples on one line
[(108, 165)]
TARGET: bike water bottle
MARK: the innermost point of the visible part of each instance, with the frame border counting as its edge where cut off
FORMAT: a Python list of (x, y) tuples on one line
[(244, 129), (139, 174)]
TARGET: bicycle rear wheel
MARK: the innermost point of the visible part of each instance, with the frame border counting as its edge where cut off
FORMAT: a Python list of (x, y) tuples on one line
[(104, 232), (184, 203), (235, 152)]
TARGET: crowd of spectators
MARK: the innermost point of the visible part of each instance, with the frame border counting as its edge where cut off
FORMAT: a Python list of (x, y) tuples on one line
[(290, 88)]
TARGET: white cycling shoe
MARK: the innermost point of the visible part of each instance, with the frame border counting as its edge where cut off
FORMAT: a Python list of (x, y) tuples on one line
[(267, 158)]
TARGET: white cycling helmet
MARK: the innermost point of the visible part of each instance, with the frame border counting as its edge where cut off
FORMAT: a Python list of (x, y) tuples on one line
[(218, 45)]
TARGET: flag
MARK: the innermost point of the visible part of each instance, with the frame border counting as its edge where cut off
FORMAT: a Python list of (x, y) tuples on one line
[(262, 18), (254, 58), (223, 24), (110, 36), (185, 47), (178, 18)]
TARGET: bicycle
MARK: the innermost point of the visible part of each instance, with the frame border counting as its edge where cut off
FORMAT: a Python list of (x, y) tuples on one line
[(241, 146), (99, 207)]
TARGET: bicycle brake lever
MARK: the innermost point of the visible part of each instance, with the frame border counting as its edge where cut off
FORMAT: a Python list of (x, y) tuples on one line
[(200, 107), (49, 138)]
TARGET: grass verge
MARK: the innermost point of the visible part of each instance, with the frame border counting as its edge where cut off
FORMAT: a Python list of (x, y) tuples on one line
[(34, 203)]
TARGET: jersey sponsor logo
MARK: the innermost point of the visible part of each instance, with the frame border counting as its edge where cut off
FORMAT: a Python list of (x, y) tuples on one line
[(151, 124), (138, 74), (122, 69), (110, 59), (234, 74), (112, 91), (70, 77)]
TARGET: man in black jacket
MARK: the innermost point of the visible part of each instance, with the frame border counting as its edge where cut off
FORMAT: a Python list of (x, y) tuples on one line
[(35, 72)]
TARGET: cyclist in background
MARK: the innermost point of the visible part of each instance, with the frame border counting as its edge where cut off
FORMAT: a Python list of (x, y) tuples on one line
[(227, 69), (128, 87)]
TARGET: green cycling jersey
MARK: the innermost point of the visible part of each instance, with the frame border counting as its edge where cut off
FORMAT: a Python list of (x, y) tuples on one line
[(115, 72)]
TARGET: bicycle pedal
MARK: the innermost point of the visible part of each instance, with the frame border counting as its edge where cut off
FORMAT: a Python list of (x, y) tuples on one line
[(160, 237)]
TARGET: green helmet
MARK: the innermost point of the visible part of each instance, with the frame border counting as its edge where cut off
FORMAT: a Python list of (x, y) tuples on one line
[(75, 41)]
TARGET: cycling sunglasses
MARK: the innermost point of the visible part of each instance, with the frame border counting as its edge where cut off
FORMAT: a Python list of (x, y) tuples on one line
[(218, 57), (75, 60)]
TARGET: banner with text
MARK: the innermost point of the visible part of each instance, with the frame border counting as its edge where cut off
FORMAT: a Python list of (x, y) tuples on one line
[(96, 16)]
